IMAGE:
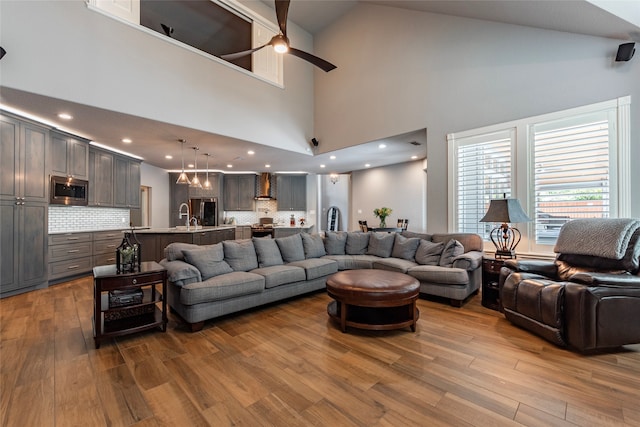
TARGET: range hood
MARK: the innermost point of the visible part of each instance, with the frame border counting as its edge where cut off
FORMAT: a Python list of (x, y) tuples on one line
[(264, 187)]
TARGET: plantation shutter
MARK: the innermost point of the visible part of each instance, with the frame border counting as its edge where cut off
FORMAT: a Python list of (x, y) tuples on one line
[(483, 173), (572, 175)]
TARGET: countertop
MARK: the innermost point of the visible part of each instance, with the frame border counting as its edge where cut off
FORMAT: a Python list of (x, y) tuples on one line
[(183, 229)]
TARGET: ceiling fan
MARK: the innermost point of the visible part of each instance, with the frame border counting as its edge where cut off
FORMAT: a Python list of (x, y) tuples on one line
[(280, 42)]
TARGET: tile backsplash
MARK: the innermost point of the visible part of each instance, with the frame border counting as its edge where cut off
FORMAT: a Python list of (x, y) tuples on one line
[(84, 218), (265, 208)]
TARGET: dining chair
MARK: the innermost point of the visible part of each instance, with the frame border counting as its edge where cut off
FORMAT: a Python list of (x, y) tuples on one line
[(403, 224), (363, 226)]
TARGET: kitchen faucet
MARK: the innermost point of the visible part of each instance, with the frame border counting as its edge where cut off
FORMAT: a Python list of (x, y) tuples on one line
[(184, 215)]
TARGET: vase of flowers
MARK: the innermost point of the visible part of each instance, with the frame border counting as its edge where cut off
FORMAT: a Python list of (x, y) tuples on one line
[(382, 213)]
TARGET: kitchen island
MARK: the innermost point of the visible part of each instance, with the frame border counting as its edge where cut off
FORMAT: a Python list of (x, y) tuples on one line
[(154, 240)]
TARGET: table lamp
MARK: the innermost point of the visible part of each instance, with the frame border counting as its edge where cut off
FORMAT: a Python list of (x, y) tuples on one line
[(504, 237)]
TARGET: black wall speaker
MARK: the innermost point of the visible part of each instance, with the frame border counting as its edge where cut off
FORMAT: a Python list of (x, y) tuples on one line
[(2, 52), (315, 142), (625, 52)]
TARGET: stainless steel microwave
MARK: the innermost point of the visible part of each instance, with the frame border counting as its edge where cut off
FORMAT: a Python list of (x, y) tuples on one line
[(68, 191)]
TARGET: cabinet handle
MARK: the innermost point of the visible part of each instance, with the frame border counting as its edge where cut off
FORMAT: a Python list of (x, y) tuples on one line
[(71, 267), (134, 281), (73, 251), (111, 246), (72, 238)]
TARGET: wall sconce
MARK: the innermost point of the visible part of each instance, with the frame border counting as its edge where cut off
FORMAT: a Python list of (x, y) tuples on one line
[(504, 237), (334, 177)]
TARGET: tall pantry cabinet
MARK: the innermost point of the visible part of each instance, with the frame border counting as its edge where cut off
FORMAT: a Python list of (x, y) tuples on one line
[(24, 200)]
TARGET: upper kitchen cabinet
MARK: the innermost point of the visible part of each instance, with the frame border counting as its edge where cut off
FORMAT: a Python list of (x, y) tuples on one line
[(69, 156), (239, 192), (127, 182), (23, 161), (291, 192), (101, 167)]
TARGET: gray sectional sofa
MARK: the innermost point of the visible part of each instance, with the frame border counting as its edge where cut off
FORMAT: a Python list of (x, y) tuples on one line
[(206, 282)]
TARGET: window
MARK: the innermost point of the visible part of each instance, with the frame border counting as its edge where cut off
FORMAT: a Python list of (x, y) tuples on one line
[(561, 166)]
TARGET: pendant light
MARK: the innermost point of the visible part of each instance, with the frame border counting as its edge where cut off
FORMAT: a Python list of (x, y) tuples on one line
[(195, 182), (183, 179), (207, 183)]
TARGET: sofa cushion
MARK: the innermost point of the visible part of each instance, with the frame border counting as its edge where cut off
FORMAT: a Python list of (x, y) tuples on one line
[(240, 254), (394, 264), (405, 247), (317, 267), (428, 253), (470, 241), (424, 236), (277, 275), (313, 245), (173, 251), (451, 250), (440, 275), (209, 260), (380, 244), (267, 251), (357, 243), (291, 248), (222, 287), (353, 262), (335, 242)]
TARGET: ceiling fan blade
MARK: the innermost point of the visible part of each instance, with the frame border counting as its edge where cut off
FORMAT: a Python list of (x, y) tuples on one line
[(318, 62), (232, 56), (282, 10)]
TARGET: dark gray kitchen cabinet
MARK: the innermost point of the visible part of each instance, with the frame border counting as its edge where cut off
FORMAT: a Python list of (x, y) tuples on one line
[(239, 192), (101, 169), (24, 204), (291, 192), (69, 156), (127, 182)]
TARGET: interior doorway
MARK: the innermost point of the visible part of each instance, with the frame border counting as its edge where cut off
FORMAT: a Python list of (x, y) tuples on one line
[(142, 217)]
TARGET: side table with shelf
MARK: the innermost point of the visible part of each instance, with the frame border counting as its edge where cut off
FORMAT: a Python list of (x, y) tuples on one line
[(490, 275), (136, 316)]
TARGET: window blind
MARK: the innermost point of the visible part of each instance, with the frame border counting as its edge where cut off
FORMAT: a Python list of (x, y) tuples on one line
[(571, 178), (484, 173)]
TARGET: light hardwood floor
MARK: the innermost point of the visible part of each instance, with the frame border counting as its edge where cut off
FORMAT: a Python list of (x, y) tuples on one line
[(287, 365)]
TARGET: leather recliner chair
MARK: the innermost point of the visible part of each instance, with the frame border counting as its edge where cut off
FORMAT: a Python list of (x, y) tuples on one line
[(588, 298)]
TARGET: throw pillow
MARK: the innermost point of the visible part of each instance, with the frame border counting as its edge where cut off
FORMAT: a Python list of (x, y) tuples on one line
[(428, 253), (267, 251), (381, 244), (452, 249), (240, 254), (357, 243), (173, 251), (209, 260), (335, 242), (291, 248), (313, 245), (405, 248)]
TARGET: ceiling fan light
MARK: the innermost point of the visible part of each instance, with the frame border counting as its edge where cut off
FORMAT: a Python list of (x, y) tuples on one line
[(280, 47)]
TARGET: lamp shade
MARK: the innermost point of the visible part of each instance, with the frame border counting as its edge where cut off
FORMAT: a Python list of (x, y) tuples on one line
[(505, 211)]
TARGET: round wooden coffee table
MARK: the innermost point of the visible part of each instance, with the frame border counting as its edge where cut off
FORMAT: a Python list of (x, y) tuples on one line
[(373, 299)]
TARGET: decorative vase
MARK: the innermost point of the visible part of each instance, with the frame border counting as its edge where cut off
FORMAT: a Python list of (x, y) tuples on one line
[(383, 224)]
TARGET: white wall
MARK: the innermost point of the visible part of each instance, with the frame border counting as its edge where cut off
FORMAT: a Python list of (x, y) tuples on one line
[(400, 70), (158, 180), (64, 50), (400, 187)]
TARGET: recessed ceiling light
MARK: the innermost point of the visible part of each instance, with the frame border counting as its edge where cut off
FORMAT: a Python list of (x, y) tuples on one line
[(229, 165), (332, 157), (168, 156), (251, 152), (366, 165), (65, 116), (190, 165), (267, 166), (126, 140), (382, 146), (322, 166), (414, 157)]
